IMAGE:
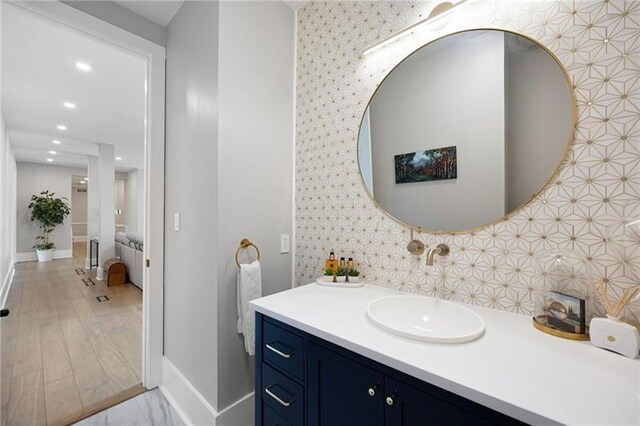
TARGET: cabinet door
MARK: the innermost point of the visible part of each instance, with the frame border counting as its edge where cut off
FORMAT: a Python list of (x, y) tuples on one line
[(408, 406), (342, 392)]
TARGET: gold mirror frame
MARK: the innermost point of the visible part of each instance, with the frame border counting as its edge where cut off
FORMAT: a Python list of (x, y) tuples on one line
[(536, 194)]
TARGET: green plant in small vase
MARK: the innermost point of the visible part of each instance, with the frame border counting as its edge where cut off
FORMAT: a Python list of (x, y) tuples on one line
[(341, 275), (49, 211), (328, 272), (354, 275)]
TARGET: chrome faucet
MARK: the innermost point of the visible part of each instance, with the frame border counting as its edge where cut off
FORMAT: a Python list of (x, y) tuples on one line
[(441, 250)]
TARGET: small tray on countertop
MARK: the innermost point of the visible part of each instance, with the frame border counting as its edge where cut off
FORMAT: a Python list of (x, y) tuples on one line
[(540, 322), (327, 281)]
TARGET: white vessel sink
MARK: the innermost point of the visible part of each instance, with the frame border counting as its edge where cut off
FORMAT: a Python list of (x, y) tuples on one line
[(426, 319)]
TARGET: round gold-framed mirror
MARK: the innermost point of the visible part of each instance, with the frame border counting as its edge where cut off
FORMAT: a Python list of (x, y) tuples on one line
[(466, 130)]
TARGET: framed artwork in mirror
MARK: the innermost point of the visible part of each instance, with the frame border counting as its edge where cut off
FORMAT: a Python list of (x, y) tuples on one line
[(427, 165)]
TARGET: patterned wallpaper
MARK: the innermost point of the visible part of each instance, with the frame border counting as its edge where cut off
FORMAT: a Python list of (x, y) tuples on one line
[(598, 43)]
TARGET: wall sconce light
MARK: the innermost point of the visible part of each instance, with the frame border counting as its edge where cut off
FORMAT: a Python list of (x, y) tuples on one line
[(437, 13)]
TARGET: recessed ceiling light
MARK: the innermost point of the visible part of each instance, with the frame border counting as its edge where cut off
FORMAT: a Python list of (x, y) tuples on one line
[(86, 178), (52, 152), (69, 105), (119, 158), (83, 182), (61, 127), (50, 160), (83, 66), (56, 142)]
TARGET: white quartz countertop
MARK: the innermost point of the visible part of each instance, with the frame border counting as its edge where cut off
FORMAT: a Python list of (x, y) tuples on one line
[(514, 368)]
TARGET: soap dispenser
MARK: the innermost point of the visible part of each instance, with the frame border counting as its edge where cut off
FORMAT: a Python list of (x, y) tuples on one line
[(331, 263)]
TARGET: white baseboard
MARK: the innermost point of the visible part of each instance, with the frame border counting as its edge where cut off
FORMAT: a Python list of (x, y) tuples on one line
[(240, 413), (194, 409), (6, 285), (80, 239), (31, 255)]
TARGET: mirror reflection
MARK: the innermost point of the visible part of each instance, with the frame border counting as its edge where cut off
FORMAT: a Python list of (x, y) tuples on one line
[(466, 130)]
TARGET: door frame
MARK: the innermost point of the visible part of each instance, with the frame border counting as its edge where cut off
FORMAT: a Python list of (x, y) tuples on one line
[(153, 276)]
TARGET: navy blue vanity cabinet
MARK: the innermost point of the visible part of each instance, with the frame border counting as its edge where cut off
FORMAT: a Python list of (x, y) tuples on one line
[(342, 392), (409, 406), (302, 380)]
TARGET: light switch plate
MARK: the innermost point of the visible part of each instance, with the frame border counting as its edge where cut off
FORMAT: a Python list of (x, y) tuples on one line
[(176, 221), (284, 243)]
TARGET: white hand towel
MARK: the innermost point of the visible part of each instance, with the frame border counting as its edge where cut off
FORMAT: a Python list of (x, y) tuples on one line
[(249, 288)]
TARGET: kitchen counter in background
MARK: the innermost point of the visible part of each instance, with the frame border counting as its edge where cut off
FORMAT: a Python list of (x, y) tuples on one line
[(514, 368)]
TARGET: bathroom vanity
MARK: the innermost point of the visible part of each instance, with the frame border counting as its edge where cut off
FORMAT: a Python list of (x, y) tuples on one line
[(320, 361)]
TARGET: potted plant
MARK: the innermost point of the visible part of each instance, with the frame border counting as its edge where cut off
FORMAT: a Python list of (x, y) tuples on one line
[(49, 211)]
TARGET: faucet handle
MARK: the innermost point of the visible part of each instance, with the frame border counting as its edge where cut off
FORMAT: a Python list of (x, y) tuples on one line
[(444, 249), (415, 247)]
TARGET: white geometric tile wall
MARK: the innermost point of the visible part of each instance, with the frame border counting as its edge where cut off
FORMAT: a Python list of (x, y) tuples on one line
[(598, 43)]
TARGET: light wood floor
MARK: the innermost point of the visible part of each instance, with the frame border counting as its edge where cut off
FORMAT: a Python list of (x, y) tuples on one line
[(80, 252), (65, 354)]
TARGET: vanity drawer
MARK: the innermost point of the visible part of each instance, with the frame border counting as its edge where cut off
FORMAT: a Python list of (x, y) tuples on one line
[(284, 350), (282, 395), (271, 418)]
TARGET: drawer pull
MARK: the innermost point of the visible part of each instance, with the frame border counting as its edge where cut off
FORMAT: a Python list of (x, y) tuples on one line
[(276, 397), (282, 354)]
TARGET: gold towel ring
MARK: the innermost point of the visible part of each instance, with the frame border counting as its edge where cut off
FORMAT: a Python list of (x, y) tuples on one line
[(244, 243)]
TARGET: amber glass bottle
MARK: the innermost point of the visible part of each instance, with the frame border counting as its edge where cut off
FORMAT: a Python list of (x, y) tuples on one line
[(331, 263)]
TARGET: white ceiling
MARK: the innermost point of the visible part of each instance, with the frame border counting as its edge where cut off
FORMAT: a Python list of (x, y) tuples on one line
[(39, 74), (295, 4), (160, 12)]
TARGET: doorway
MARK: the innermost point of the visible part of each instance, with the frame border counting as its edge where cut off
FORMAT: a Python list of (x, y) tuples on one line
[(54, 292)]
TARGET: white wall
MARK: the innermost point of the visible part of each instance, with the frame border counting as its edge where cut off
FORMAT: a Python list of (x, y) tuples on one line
[(134, 201), (255, 165), (229, 146), (528, 68), (190, 331), (7, 242), (437, 89), (32, 179), (79, 213), (7, 211), (119, 188)]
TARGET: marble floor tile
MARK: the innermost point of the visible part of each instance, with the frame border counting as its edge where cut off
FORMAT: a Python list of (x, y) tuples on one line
[(151, 408), (126, 413), (157, 409)]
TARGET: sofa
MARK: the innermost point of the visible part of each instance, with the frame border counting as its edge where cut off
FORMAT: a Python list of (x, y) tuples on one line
[(130, 251)]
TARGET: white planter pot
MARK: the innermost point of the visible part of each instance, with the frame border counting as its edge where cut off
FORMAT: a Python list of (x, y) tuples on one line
[(45, 255)]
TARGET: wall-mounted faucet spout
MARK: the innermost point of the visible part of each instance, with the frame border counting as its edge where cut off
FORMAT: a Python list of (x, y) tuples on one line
[(441, 249)]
